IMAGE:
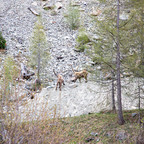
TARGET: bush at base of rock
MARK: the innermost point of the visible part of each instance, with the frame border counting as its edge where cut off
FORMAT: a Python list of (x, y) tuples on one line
[(2, 42)]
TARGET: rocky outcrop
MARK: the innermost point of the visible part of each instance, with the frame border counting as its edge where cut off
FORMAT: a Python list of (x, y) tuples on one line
[(79, 98), (73, 100)]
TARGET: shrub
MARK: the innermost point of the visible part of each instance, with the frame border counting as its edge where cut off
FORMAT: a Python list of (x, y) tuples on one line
[(83, 37), (82, 40), (2, 42), (10, 73), (73, 17)]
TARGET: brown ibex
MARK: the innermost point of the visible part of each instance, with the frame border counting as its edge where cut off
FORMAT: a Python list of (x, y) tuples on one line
[(60, 80), (79, 75)]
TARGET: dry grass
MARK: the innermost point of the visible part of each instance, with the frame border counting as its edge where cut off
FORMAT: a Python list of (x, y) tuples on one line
[(72, 130)]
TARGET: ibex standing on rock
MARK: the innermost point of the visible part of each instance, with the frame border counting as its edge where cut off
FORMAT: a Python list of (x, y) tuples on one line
[(79, 75), (60, 80)]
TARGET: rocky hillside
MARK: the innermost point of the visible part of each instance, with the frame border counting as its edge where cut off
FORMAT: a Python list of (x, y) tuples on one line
[(17, 22)]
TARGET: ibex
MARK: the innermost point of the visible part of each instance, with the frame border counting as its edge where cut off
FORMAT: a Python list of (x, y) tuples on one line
[(60, 80), (79, 75)]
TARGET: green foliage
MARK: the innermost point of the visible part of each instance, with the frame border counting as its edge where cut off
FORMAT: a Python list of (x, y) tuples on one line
[(39, 47), (11, 72), (131, 36), (82, 40), (81, 48), (83, 37), (102, 51), (134, 64), (142, 120), (9, 69), (102, 1), (133, 40), (2, 42), (73, 17)]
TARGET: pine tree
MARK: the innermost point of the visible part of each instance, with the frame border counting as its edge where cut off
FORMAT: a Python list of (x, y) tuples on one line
[(120, 113), (39, 48), (103, 51), (134, 61), (107, 49)]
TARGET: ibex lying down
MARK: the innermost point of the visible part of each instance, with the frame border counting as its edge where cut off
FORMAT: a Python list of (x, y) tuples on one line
[(79, 75), (60, 80)]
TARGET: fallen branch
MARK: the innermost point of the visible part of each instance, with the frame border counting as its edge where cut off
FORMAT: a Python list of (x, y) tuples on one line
[(34, 11), (25, 74)]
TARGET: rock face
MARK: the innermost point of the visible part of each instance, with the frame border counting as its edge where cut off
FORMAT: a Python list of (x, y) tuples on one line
[(71, 101), (77, 99)]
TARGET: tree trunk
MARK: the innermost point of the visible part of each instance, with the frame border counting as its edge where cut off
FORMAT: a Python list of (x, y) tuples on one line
[(120, 113), (142, 36), (39, 60), (139, 106), (113, 95)]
